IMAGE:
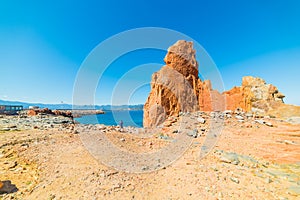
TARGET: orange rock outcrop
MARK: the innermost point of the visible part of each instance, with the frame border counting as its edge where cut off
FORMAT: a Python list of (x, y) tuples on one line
[(255, 95), (177, 88)]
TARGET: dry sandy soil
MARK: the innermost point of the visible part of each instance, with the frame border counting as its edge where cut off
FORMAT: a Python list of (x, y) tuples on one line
[(249, 161)]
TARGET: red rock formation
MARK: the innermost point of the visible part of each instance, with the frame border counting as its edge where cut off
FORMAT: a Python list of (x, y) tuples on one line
[(177, 88), (253, 96), (31, 113)]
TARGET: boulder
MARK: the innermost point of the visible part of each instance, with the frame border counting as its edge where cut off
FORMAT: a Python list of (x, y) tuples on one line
[(31, 113), (6, 187)]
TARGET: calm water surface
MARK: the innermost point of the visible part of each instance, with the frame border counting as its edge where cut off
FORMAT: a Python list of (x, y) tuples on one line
[(129, 118)]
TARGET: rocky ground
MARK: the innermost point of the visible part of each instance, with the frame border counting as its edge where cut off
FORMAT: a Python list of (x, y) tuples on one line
[(251, 157), (40, 122)]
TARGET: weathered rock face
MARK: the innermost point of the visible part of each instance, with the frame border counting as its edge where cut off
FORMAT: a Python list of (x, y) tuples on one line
[(174, 87), (177, 88), (254, 95), (181, 57)]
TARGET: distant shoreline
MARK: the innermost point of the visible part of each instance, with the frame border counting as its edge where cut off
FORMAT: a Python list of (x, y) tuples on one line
[(65, 106), (76, 113)]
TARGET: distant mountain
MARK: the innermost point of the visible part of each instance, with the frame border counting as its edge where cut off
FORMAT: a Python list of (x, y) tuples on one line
[(70, 106)]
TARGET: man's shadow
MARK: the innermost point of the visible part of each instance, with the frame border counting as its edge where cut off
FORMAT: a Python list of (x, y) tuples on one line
[(6, 187)]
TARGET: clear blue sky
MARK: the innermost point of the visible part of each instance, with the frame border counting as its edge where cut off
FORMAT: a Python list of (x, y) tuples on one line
[(43, 43)]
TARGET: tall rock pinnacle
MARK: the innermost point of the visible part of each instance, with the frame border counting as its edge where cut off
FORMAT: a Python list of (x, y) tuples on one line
[(174, 87)]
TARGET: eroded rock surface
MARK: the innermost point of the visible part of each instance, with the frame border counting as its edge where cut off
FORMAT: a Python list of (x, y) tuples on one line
[(255, 95), (173, 88)]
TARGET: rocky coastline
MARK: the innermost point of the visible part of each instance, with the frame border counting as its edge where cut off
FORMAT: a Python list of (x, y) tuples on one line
[(48, 144)]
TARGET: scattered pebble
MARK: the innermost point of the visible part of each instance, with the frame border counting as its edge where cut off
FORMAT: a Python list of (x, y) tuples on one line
[(201, 120), (235, 180)]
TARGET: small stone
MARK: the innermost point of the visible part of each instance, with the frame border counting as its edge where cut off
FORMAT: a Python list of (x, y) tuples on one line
[(201, 120), (25, 145), (12, 165), (207, 189), (144, 168), (283, 198), (122, 139), (288, 142), (268, 180), (51, 196), (193, 133), (227, 112), (101, 127), (260, 121), (249, 115), (269, 124), (225, 160), (230, 158), (235, 180), (215, 168), (228, 116), (220, 195), (235, 162), (239, 117)]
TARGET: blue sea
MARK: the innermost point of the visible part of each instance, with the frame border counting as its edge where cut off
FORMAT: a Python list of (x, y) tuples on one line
[(129, 118)]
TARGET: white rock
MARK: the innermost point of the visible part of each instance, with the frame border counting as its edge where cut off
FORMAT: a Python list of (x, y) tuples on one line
[(201, 120), (259, 121), (269, 124), (239, 117), (227, 112)]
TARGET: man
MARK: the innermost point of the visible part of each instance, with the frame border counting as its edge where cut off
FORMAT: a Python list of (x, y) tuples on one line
[(121, 124)]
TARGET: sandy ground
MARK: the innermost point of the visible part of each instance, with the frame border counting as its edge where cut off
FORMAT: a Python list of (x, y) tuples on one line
[(56, 165)]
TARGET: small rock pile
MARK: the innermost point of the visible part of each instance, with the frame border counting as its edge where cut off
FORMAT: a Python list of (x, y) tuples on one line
[(80, 128), (196, 124), (34, 112)]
